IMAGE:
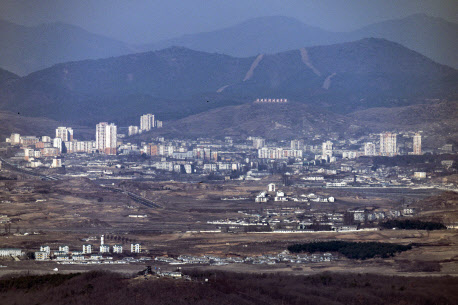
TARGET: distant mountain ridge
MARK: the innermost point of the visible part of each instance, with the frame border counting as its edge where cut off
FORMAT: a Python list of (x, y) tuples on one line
[(433, 37), (258, 35), (177, 82), (7, 76), (28, 49)]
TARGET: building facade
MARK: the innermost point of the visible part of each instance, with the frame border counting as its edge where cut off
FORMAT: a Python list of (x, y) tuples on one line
[(417, 144), (64, 133), (369, 149), (106, 138), (388, 144), (147, 122), (326, 150), (135, 248)]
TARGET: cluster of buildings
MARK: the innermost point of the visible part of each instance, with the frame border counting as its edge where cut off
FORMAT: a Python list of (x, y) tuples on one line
[(147, 122), (107, 141), (280, 196), (88, 252), (321, 162), (268, 259), (11, 252), (297, 219), (331, 163), (387, 147)]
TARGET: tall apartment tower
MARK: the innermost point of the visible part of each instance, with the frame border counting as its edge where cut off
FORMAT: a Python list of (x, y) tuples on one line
[(417, 144), (369, 149), (147, 122), (133, 130), (64, 133), (258, 143), (297, 144), (326, 150), (388, 144), (105, 138)]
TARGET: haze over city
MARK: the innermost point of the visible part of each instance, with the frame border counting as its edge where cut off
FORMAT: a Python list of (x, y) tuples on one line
[(228, 152), (143, 21)]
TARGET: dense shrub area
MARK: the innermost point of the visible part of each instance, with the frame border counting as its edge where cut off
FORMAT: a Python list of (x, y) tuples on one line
[(236, 288), (353, 250), (34, 281), (409, 224)]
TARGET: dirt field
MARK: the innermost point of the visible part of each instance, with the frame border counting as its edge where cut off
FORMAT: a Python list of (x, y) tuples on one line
[(71, 211)]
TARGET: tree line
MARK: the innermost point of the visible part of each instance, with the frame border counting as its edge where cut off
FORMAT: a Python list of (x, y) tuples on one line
[(352, 250), (227, 288)]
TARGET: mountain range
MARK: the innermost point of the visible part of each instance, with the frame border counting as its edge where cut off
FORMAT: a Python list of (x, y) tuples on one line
[(28, 49), (7, 76), (177, 82), (433, 37)]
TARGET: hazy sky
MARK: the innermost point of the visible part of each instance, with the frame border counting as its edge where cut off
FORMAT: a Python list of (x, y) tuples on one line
[(140, 21)]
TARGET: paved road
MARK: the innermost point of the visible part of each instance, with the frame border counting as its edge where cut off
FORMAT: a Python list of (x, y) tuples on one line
[(135, 197)]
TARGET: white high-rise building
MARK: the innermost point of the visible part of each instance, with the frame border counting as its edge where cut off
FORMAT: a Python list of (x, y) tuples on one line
[(45, 139), (147, 122), (15, 138), (57, 142), (106, 138), (326, 150), (64, 133), (417, 144), (133, 130), (258, 143), (369, 149), (297, 144), (388, 144)]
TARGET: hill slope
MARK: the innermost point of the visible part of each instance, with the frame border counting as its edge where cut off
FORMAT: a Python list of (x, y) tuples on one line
[(175, 82), (299, 121), (33, 126), (256, 119), (7, 76), (28, 49), (433, 37)]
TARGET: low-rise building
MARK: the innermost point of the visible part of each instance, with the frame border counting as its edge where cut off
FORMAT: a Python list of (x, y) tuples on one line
[(64, 249), (135, 248), (117, 249), (45, 249), (87, 249), (78, 257), (41, 255), (10, 252), (104, 248)]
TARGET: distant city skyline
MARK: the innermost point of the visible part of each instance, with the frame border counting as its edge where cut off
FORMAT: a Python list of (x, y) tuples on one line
[(144, 21)]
